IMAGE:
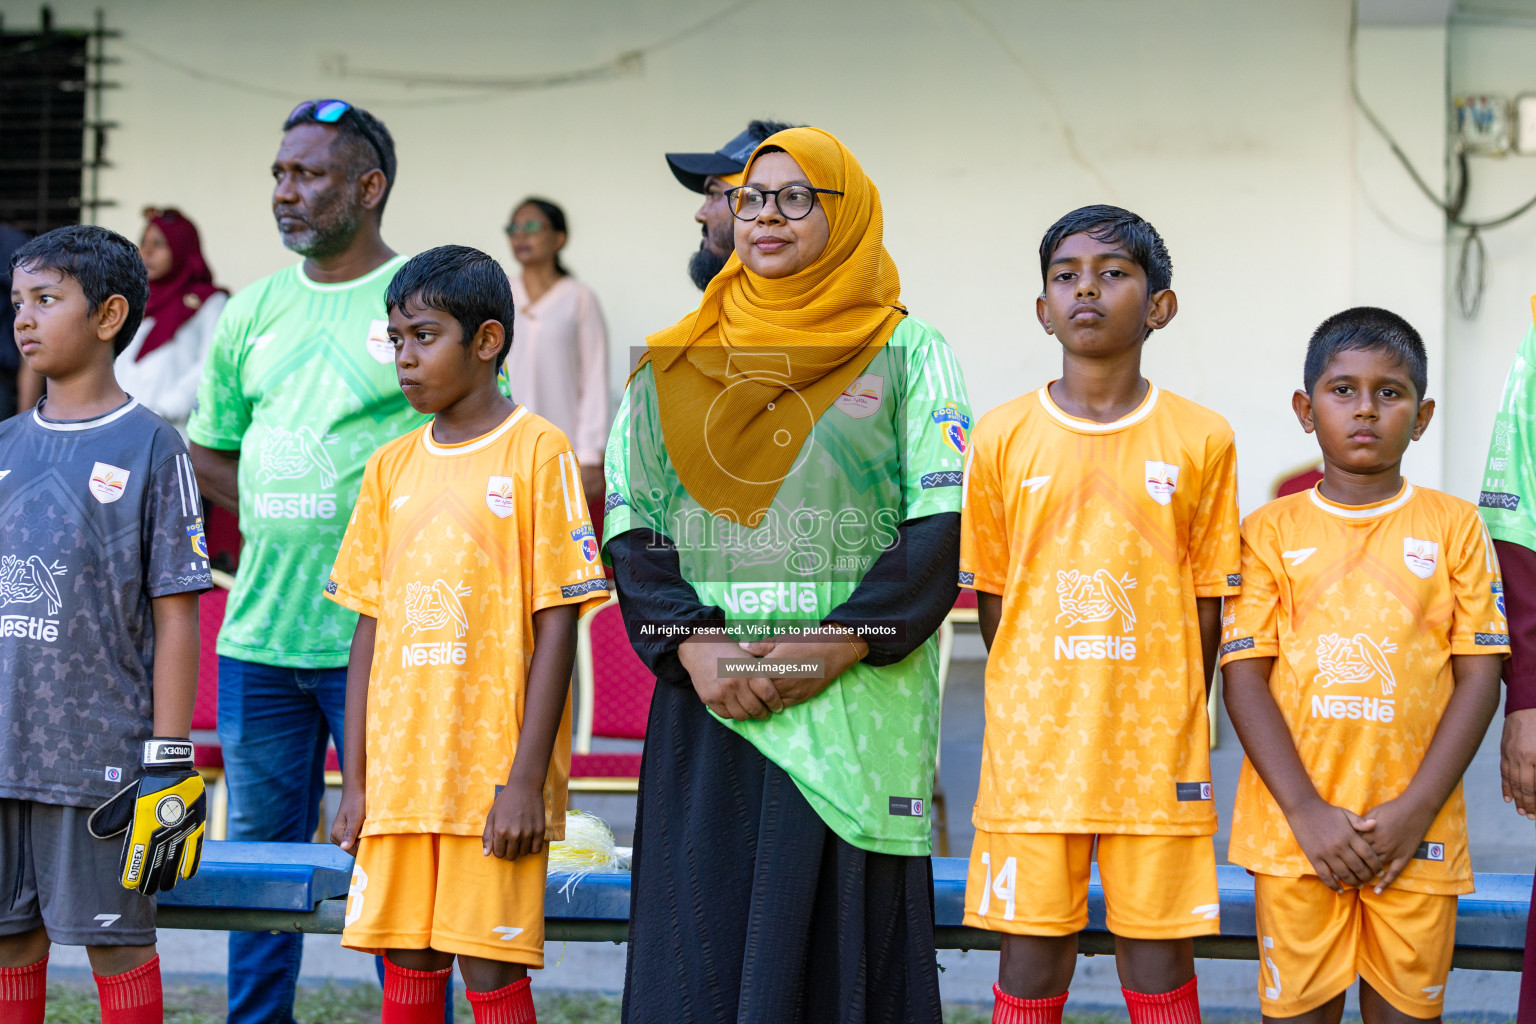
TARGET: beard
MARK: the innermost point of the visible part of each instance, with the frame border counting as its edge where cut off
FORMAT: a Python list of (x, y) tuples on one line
[(331, 224), (704, 264), (711, 256)]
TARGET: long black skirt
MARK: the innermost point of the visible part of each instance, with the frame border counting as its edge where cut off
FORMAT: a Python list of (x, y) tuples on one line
[(748, 909)]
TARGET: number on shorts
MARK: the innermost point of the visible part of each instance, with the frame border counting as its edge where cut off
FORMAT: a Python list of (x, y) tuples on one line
[(1002, 887), (1271, 991), (355, 894)]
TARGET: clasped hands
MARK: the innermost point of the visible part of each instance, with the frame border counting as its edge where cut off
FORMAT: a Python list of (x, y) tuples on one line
[(747, 697), (1351, 850)]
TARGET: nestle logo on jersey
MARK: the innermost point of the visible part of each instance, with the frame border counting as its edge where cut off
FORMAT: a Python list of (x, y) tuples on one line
[(1339, 706), (757, 598), (28, 628), (445, 652), (1096, 647), (294, 505)]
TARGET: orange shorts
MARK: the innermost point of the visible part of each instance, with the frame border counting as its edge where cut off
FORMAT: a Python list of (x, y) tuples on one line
[(1313, 941), (423, 890), (1031, 883)]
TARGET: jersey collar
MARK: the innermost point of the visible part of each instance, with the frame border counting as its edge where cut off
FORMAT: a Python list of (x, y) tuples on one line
[(389, 266), (100, 421), (473, 445), (1082, 426), (1371, 511)]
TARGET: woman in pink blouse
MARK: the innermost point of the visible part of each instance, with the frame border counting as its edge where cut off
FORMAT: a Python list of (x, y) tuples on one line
[(559, 359)]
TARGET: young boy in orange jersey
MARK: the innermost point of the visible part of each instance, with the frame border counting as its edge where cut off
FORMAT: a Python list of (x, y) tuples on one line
[(1100, 533), (469, 556), (1361, 668)]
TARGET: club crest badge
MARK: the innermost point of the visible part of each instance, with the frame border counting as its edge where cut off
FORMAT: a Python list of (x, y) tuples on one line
[(498, 496), (1498, 599), (379, 345), (954, 424), (587, 539), (1420, 556), (198, 538), (107, 482), (1162, 478), (862, 397)]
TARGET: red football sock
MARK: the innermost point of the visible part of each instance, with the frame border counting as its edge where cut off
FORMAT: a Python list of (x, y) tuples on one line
[(510, 1005), (23, 992), (132, 997), (1013, 1010), (413, 997), (1181, 1006)]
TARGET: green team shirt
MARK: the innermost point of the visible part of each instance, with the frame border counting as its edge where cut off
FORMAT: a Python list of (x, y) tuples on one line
[(1509, 479), (890, 449), (301, 379)]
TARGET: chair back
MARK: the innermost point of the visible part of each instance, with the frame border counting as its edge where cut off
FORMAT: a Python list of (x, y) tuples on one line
[(210, 617), (613, 685)]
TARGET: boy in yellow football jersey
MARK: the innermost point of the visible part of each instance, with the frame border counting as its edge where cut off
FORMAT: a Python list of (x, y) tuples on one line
[(468, 557), (1361, 668), (1100, 532)]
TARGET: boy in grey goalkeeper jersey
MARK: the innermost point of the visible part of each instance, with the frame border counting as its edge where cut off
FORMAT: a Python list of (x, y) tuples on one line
[(101, 560)]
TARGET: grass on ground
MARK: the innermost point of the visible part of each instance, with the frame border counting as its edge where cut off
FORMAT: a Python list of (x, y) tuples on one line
[(359, 1004)]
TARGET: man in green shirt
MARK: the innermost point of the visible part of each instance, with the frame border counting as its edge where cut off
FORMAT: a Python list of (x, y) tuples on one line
[(299, 389)]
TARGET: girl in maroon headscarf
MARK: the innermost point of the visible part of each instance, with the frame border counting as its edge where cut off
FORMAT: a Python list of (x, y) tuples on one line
[(161, 367)]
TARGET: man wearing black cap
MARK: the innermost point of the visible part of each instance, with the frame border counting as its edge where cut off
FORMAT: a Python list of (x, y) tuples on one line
[(711, 174)]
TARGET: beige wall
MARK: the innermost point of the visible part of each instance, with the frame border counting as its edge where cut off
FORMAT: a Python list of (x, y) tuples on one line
[(1228, 124), (1490, 57)]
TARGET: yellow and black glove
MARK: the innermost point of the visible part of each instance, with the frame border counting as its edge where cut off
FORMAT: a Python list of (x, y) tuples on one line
[(163, 815)]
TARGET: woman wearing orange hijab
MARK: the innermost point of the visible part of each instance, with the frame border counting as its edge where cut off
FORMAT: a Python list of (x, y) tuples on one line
[(784, 484)]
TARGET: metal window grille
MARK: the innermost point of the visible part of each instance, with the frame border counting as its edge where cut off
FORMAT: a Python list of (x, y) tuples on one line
[(53, 140)]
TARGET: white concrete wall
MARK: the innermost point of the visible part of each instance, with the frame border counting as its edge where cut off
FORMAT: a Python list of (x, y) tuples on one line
[(1490, 57), (1399, 235), (1229, 125)]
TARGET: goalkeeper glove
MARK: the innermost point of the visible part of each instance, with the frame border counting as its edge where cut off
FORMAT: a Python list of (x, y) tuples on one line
[(161, 816)]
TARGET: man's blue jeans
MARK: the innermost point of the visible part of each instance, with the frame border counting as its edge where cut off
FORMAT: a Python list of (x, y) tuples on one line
[(273, 726)]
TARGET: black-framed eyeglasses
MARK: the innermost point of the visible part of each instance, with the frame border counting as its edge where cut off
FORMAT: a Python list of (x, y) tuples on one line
[(331, 111), (793, 201)]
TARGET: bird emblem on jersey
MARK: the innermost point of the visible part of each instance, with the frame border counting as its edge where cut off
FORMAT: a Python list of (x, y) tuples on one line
[(1420, 556), (1351, 661), (1095, 598), (107, 482), (1162, 478), (290, 454), (27, 581), (433, 606)]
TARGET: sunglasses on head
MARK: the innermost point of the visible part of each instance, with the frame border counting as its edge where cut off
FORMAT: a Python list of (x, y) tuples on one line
[(331, 111)]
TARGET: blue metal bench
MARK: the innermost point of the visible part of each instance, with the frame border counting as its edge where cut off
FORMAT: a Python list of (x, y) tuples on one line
[(302, 887)]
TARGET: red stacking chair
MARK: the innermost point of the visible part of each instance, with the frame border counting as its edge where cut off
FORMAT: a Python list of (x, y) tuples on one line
[(205, 712), (1303, 479), (613, 694)]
